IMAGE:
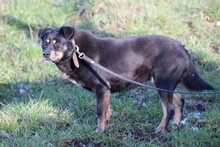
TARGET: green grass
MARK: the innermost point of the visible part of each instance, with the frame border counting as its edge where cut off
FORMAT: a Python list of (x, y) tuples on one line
[(40, 107)]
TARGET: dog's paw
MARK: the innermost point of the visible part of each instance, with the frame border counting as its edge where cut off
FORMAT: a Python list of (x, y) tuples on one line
[(159, 129), (99, 130), (175, 126)]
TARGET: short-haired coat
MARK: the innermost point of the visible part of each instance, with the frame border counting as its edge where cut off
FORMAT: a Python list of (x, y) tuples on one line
[(139, 58)]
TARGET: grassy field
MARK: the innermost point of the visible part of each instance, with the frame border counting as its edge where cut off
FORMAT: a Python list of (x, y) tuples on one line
[(40, 107)]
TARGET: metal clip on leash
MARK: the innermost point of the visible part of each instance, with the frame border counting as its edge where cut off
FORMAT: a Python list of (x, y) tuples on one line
[(80, 55)]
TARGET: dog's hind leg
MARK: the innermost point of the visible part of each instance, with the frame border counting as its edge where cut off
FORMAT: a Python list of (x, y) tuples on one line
[(168, 111), (178, 103), (166, 102), (103, 107)]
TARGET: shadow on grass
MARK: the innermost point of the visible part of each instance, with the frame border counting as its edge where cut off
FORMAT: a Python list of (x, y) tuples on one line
[(14, 22), (28, 29), (17, 92)]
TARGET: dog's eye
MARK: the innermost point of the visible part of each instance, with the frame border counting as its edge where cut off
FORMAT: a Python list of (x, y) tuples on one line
[(54, 41), (47, 42)]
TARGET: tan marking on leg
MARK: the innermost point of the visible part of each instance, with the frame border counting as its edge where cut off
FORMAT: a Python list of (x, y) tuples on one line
[(101, 125), (178, 104), (108, 114), (105, 105), (162, 125)]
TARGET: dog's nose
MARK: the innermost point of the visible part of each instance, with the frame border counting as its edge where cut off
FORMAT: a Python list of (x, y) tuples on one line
[(46, 54)]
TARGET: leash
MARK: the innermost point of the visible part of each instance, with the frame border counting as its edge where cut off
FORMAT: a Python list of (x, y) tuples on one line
[(82, 56)]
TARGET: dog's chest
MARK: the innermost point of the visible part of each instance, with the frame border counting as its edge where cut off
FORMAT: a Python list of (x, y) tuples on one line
[(79, 81), (65, 68), (76, 80), (75, 75)]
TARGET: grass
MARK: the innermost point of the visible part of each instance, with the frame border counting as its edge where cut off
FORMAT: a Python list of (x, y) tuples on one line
[(40, 107)]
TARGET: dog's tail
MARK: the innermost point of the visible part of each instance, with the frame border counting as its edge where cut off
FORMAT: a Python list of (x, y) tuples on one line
[(193, 81)]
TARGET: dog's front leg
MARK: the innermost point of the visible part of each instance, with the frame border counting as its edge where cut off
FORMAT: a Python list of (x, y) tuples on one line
[(102, 107)]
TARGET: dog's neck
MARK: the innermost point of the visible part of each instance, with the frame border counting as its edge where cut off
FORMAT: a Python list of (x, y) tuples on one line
[(66, 66)]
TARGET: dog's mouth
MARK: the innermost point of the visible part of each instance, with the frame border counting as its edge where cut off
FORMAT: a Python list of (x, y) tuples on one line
[(54, 56)]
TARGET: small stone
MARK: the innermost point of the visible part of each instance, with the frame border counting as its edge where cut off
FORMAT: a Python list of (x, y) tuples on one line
[(218, 23), (201, 123), (200, 107), (194, 129), (4, 134)]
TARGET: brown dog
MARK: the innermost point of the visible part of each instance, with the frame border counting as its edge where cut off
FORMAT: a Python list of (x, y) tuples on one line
[(139, 58)]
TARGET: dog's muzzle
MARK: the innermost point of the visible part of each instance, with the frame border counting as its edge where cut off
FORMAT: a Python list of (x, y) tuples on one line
[(46, 54), (54, 56)]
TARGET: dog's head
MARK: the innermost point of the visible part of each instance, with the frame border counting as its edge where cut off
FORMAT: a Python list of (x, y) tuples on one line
[(57, 43)]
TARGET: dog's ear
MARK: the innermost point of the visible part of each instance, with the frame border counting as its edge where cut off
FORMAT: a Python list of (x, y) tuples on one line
[(42, 31), (67, 32)]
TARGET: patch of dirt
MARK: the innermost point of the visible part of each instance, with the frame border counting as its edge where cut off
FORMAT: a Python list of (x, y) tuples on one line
[(194, 110), (216, 47), (192, 32), (194, 105)]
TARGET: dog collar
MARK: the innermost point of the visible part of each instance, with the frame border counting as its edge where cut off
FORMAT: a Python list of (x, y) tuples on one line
[(75, 59)]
